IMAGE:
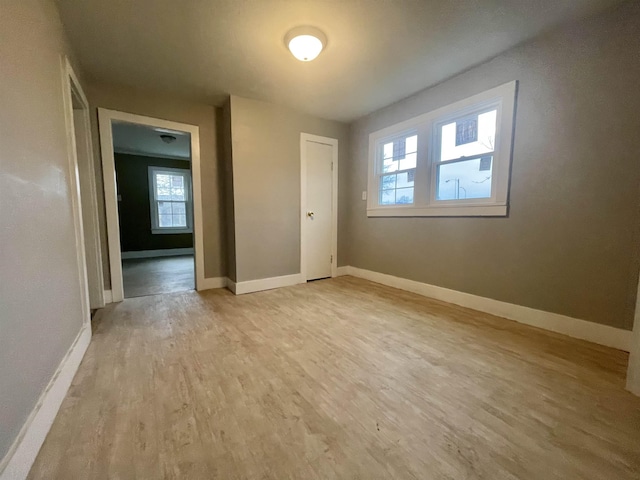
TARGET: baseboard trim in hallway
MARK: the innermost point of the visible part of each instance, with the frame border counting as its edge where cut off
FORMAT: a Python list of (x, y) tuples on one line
[(23, 452), (573, 327)]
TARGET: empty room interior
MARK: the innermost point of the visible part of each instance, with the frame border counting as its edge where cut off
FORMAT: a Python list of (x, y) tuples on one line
[(304, 239), (153, 174)]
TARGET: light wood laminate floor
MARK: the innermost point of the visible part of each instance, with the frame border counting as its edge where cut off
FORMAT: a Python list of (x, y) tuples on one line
[(338, 378), (153, 276)]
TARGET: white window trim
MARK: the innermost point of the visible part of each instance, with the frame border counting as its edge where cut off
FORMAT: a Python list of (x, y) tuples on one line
[(425, 204), (155, 228)]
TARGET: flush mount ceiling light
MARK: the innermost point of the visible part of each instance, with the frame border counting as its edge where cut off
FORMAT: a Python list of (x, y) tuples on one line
[(170, 132), (168, 138), (305, 43)]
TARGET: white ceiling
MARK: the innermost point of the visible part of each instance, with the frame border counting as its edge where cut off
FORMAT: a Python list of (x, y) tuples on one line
[(144, 140), (378, 51)]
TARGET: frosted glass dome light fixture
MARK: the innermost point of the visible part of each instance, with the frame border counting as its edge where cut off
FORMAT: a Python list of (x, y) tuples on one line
[(305, 43)]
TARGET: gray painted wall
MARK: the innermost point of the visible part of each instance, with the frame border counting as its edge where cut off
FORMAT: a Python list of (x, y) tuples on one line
[(40, 305), (168, 107), (227, 158), (266, 184), (570, 242)]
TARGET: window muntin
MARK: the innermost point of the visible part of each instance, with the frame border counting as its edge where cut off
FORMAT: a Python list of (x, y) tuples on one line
[(170, 199), (459, 164)]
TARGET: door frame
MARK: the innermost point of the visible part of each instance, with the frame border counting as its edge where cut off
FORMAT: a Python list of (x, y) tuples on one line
[(71, 88), (105, 119), (333, 142)]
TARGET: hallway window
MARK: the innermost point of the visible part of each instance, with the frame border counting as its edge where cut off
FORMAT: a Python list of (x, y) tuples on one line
[(170, 199)]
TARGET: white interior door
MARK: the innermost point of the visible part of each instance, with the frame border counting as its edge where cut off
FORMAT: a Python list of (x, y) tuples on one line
[(318, 217)]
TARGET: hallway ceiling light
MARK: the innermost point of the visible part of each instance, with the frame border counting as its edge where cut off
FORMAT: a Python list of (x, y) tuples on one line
[(305, 43)]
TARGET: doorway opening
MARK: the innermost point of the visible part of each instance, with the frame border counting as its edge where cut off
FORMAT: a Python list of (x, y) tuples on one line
[(153, 176), (151, 173), (319, 207)]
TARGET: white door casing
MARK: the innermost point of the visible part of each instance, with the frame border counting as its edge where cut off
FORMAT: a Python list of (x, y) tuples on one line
[(319, 185), (105, 119), (88, 193), (72, 91)]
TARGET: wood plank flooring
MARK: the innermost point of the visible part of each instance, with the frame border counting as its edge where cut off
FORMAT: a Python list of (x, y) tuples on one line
[(338, 379), (153, 276)]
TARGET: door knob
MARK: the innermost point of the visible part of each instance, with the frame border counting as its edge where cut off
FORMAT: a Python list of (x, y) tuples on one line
[(310, 214)]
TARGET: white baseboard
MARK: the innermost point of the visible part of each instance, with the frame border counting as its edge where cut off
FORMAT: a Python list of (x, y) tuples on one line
[(231, 285), (213, 282), (108, 297), (342, 271), (573, 327), (20, 457), (167, 252), (240, 288)]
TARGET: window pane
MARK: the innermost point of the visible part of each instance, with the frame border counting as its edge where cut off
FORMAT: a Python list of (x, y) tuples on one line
[(405, 179), (179, 221), (397, 188), (163, 186), (387, 197), (468, 179), (387, 182), (179, 208), (404, 195), (455, 136), (165, 221), (399, 154), (163, 194), (164, 208), (163, 180), (177, 194), (177, 181), (409, 161), (399, 148)]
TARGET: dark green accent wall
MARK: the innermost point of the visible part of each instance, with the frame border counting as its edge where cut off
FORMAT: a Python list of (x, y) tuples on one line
[(132, 176)]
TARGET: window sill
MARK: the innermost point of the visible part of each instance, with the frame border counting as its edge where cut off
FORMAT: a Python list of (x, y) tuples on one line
[(169, 231), (440, 211)]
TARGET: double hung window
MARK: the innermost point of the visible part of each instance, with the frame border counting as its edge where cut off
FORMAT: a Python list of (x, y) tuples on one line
[(170, 199), (453, 161)]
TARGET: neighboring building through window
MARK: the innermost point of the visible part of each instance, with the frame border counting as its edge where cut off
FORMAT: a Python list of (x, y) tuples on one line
[(170, 198), (453, 161)]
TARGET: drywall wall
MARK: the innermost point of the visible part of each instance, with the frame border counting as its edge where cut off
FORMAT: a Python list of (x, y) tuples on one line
[(569, 244), (167, 107), (134, 207), (266, 184), (40, 302), (226, 153)]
